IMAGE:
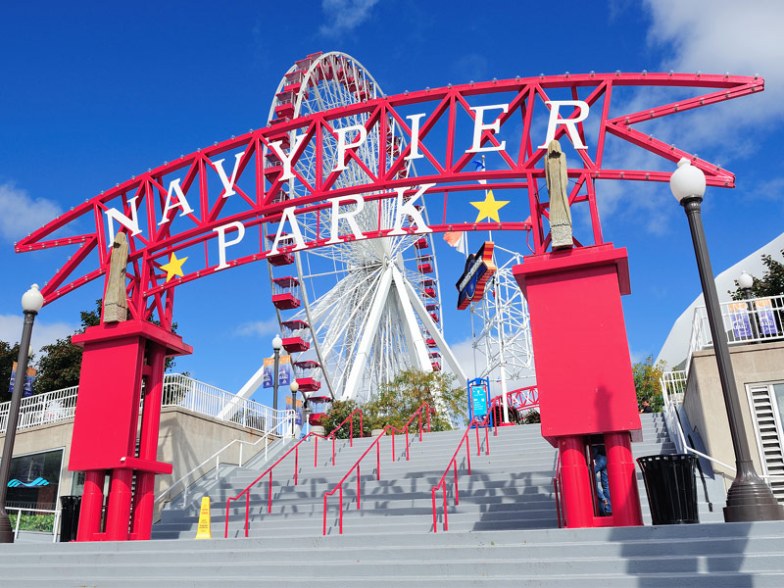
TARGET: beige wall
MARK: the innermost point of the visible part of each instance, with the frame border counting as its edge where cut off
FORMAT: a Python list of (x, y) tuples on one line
[(704, 401), (186, 440)]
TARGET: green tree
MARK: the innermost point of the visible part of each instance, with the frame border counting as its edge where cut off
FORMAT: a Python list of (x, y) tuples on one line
[(647, 382), (770, 284), (396, 401), (8, 355), (339, 412), (61, 361)]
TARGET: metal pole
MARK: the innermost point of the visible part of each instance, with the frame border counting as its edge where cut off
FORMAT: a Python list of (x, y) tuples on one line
[(275, 383), (749, 497), (6, 532), (748, 297)]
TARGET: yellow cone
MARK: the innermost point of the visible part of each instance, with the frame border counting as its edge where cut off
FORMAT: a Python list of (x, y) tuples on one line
[(204, 531)]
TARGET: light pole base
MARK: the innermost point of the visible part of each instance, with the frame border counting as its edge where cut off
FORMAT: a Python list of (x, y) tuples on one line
[(751, 500), (6, 532)]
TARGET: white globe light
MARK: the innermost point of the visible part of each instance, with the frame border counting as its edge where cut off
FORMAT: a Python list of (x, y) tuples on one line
[(687, 181), (277, 343), (745, 281), (294, 386), (32, 300)]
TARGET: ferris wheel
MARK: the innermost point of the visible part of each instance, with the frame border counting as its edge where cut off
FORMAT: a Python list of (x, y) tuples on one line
[(354, 314)]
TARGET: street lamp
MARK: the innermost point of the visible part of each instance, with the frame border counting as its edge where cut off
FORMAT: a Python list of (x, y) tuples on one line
[(749, 497), (277, 343), (294, 387), (32, 301), (745, 283)]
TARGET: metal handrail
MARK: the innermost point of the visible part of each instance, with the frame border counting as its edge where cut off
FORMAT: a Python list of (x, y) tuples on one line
[(284, 424), (268, 472), (19, 511), (357, 465), (475, 424)]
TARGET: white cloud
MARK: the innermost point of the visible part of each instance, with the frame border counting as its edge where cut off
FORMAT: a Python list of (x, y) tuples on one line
[(344, 16), (43, 333), (21, 214), (718, 36), (258, 328)]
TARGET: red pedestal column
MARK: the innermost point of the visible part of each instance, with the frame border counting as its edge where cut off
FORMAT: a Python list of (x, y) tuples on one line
[(116, 358), (91, 512), (621, 474), (577, 498), (583, 372)]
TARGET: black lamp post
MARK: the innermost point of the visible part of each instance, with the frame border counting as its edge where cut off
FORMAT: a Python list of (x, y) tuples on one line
[(277, 343), (749, 497), (294, 387), (32, 301)]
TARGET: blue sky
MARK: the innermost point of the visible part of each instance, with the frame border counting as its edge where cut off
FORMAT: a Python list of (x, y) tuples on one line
[(93, 93)]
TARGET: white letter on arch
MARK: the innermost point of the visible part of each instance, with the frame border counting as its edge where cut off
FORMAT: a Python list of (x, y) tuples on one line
[(132, 224), (348, 216), (414, 153), (286, 161), (480, 126), (340, 164), (228, 184), (408, 209), (223, 243), (570, 123), (182, 202), (296, 233)]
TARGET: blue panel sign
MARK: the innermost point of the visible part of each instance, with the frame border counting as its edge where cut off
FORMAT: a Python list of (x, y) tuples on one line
[(478, 398)]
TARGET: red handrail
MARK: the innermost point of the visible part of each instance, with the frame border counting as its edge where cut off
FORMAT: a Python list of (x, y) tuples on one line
[(295, 449), (452, 465), (357, 465)]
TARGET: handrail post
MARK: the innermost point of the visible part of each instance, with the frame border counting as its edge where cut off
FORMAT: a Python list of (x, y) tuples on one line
[(446, 511), (226, 524), (407, 452), (359, 486), (333, 451), (340, 515), (247, 513), (435, 514), (394, 456), (269, 493), (324, 522), (468, 455), (457, 489), (315, 454), (296, 465), (378, 460)]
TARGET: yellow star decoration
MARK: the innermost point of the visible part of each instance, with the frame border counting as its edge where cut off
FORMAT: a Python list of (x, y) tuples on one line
[(489, 207), (174, 267)]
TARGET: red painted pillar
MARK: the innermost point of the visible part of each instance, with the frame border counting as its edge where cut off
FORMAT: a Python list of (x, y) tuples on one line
[(576, 479), (118, 511), (584, 372), (621, 475), (91, 510), (144, 500)]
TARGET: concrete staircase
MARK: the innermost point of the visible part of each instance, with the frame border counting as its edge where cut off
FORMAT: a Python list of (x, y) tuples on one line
[(503, 531)]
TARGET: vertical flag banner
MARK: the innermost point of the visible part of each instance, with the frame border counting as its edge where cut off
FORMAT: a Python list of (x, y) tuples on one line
[(766, 318), (284, 371), (741, 325), (28, 381)]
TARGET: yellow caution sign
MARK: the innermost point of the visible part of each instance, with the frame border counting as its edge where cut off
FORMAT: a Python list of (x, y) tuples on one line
[(204, 531)]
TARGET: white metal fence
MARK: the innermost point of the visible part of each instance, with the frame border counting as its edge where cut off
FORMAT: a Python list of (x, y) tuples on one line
[(744, 321), (178, 390)]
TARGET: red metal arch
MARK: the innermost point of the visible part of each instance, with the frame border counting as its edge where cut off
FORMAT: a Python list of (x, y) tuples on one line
[(446, 161)]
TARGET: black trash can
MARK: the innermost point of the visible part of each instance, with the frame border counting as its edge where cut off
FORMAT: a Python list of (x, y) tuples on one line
[(69, 517), (671, 488)]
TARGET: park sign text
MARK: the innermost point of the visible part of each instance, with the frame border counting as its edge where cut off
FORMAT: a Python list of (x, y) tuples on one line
[(344, 209)]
